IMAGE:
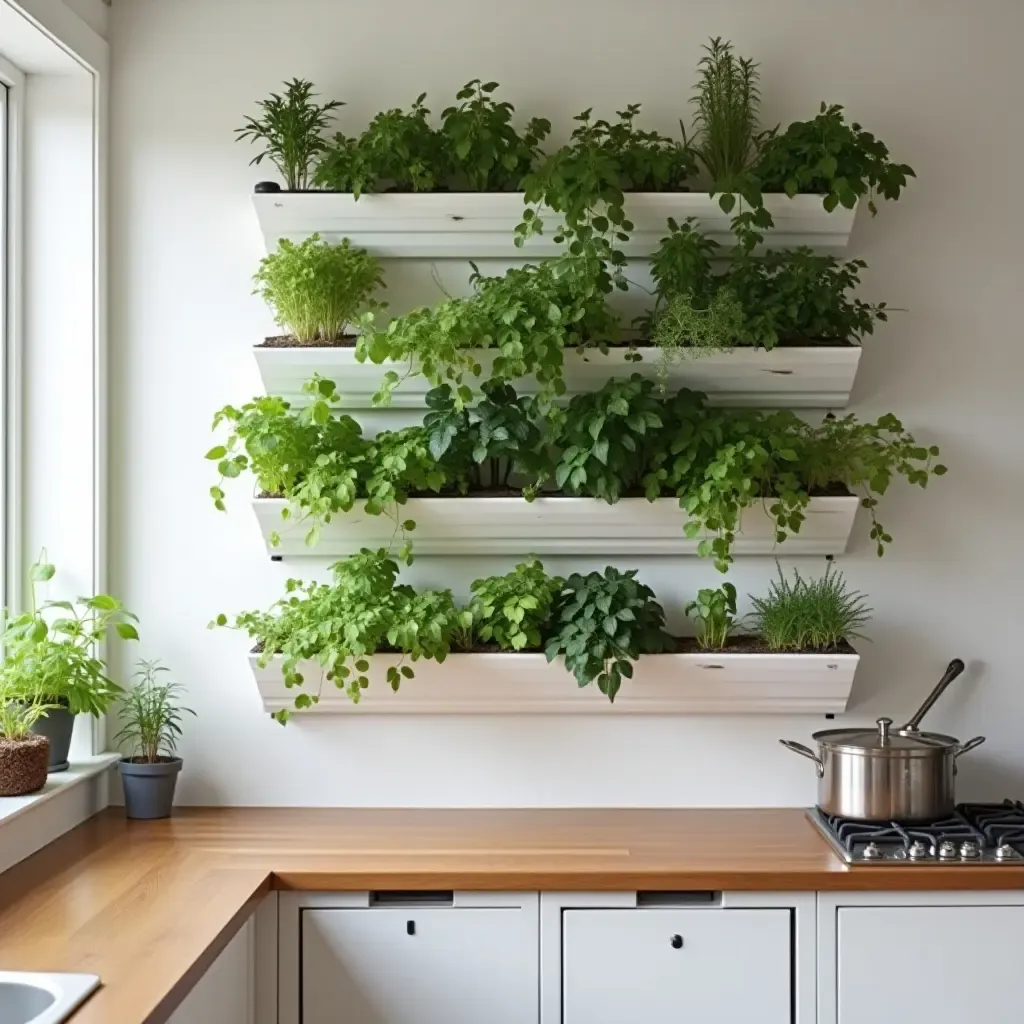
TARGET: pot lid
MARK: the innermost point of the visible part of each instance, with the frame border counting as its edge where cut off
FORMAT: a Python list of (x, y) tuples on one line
[(883, 742)]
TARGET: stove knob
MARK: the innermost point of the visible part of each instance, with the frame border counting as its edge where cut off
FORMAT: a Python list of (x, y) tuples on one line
[(872, 852), (919, 850), (1005, 852), (948, 850), (970, 850)]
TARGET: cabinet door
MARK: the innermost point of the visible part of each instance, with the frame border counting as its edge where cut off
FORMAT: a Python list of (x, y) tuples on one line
[(944, 965), (660, 966), (444, 965)]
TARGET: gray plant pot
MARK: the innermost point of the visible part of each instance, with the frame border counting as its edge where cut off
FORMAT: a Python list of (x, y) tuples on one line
[(149, 788), (56, 725)]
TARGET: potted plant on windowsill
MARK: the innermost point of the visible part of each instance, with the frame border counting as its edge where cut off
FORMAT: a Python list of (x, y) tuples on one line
[(152, 725), (23, 753), (50, 659)]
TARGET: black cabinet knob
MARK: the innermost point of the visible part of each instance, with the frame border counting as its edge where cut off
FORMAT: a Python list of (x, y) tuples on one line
[(677, 942), (410, 927)]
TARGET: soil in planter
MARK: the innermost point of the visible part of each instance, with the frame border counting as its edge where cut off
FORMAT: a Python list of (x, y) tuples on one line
[(290, 341), (752, 645), (142, 760), (23, 765)]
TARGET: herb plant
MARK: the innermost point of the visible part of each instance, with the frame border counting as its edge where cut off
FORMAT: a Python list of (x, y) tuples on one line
[(716, 612), (685, 329), (318, 290), (18, 716), (487, 153), (50, 650), (826, 155), (604, 622), (514, 610), (726, 132), (809, 614), (399, 151), (291, 128), (151, 716), (340, 625)]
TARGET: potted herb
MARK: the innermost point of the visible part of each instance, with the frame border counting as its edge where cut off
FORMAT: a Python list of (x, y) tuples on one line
[(24, 754), (50, 659), (318, 291), (151, 714)]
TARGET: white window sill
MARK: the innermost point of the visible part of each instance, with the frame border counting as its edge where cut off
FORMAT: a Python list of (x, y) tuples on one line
[(28, 823)]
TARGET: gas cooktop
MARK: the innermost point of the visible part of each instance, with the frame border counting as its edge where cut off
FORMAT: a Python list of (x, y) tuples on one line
[(976, 834)]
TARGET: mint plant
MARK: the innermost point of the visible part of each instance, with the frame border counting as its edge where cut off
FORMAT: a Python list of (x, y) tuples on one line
[(487, 153), (716, 614), (603, 623), (514, 611), (290, 127), (317, 290)]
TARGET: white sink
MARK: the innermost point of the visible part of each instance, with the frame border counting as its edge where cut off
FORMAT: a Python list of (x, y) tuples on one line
[(42, 998)]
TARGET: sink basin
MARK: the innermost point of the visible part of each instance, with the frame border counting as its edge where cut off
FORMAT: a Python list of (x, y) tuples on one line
[(42, 998)]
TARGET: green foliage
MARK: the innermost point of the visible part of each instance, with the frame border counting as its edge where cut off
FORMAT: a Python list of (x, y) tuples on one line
[(18, 716), (586, 179), (487, 153), (339, 625), (317, 290), (809, 615), (399, 151), (828, 156), (527, 318), (604, 622), (50, 650), (514, 610), (726, 133), (681, 265), (151, 715), (683, 329), (291, 128), (716, 611)]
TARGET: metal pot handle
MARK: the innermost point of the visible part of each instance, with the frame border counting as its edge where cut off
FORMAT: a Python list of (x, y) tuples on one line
[(799, 748), (964, 747), (953, 669)]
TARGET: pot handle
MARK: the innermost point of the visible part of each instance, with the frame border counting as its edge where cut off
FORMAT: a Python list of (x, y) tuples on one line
[(799, 748), (963, 748)]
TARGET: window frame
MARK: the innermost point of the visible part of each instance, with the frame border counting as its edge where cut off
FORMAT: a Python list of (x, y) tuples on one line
[(12, 79)]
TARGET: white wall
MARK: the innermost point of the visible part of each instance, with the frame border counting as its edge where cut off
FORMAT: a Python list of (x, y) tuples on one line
[(937, 79)]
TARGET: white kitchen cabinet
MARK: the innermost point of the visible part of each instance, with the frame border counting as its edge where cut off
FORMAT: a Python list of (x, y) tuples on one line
[(649, 966), (941, 964), (419, 965)]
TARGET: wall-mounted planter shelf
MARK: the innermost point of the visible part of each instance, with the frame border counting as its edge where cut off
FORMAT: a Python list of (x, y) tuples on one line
[(808, 378), (662, 684), (478, 225), (555, 526)]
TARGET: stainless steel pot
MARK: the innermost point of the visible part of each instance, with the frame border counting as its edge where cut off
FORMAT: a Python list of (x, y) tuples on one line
[(889, 775)]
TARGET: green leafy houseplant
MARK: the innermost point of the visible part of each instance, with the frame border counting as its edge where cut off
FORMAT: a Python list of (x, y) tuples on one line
[(603, 623), (340, 625), (487, 153), (151, 713), (24, 756), (826, 155), (513, 611), (809, 614), (318, 290), (50, 650), (291, 128), (716, 613)]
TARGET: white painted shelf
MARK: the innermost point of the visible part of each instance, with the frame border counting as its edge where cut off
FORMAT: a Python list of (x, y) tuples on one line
[(552, 526), (479, 225), (790, 378), (527, 684)]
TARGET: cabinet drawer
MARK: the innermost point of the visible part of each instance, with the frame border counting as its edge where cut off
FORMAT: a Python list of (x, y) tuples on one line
[(418, 965), (662, 965)]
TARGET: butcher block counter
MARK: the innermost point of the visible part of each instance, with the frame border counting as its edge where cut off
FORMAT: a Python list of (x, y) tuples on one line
[(148, 906)]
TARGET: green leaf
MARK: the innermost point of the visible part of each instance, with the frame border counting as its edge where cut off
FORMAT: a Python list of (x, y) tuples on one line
[(126, 631), (216, 453)]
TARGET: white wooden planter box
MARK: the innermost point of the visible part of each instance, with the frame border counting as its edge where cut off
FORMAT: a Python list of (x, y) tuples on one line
[(506, 684), (553, 526), (789, 378), (477, 225)]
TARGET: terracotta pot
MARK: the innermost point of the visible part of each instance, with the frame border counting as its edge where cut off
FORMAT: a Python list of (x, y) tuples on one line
[(23, 765)]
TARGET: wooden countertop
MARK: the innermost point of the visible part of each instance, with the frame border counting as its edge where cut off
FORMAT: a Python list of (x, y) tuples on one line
[(148, 906)]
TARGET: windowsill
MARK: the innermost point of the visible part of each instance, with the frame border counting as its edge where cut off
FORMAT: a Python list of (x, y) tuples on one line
[(12, 807)]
